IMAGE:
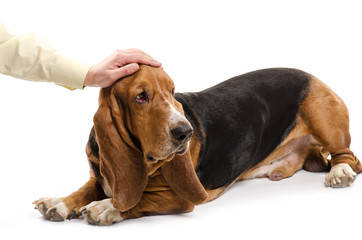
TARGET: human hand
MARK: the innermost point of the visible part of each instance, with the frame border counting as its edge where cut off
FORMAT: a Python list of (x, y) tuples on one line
[(119, 64)]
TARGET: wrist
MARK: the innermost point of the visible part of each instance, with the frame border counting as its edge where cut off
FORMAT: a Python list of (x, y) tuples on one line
[(89, 78)]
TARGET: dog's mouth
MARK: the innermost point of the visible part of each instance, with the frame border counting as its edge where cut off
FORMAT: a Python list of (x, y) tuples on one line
[(182, 150), (168, 157)]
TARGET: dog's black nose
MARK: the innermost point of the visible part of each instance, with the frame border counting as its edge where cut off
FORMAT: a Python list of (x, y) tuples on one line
[(183, 133)]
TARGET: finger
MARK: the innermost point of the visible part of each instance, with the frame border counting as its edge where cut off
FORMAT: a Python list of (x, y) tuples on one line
[(136, 56), (125, 71), (142, 59)]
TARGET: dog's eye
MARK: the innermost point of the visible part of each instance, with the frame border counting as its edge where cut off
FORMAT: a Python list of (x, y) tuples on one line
[(142, 98)]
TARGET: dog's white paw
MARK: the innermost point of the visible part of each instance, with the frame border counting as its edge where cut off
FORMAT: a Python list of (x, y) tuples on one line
[(52, 209), (340, 176), (101, 213)]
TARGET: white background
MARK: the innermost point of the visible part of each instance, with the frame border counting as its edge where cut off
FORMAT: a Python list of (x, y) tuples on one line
[(44, 127)]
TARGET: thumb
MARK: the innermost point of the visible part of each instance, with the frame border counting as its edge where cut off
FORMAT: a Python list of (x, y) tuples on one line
[(125, 70)]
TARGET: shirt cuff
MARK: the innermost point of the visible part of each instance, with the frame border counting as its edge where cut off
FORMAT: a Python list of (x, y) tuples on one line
[(68, 72)]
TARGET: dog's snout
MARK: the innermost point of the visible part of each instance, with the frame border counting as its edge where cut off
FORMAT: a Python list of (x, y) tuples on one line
[(182, 133)]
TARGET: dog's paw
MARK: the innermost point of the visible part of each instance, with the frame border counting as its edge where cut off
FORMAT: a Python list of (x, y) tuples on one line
[(52, 209), (340, 176), (101, 213)]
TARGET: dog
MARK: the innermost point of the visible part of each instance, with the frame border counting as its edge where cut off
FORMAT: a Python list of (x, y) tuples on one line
[(153, 151)]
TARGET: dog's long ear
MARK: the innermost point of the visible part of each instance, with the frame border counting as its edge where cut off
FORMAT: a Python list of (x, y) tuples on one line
[(181, 176), (120, 163)]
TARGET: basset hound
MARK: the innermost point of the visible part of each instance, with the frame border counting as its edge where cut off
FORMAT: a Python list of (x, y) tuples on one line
[(152, 151)]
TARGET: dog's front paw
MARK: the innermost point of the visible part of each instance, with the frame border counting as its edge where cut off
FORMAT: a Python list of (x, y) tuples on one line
[(52, 209), (101, 213), (340, 176)]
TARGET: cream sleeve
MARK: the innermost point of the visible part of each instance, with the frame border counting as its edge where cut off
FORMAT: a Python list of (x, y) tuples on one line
[(29, 57)]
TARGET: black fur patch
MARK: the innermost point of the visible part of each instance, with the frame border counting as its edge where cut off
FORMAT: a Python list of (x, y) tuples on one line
[(244, 119), (92, 143), (96, 172)]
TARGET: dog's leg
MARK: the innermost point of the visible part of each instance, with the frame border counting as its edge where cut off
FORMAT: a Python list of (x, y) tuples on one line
[(283, 162), (151, 203), (327, 118), (317, 160), (59, 209)]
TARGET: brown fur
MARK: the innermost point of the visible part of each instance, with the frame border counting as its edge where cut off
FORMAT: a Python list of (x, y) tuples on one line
[(89, 192), (121, 161)]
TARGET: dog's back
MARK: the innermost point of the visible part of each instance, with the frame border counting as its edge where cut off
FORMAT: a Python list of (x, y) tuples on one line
[(245, 118)]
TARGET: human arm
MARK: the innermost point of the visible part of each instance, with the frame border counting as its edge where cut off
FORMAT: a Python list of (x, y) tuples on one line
[(29, 57)]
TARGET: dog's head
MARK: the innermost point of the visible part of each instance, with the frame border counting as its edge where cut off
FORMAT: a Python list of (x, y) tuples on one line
[(152, 115), (140, 127)]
